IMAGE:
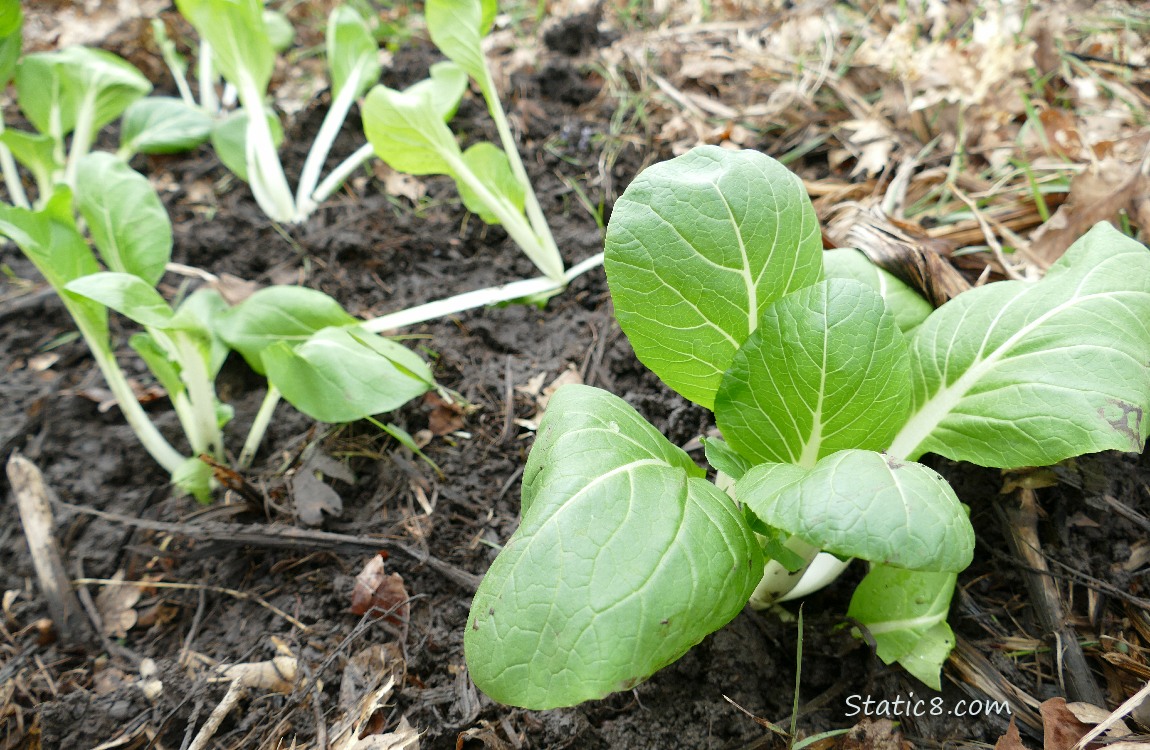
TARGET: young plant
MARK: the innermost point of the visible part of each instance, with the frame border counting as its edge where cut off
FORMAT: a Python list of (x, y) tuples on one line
[(409, 132), (308, 347), (828, 381), (241, 44), (76, 92)]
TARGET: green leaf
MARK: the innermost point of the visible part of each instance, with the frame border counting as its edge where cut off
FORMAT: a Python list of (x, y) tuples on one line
[(159, 363), (238, 35), (163, 125), (56, 248), (407, 128), (351, 50), (60, 253), (168, 50), (863, 504), (11, 26), (457, 28), (697, 248), (908, 307), (905, 611), (195, 478), (11, 17), (35, 151), (827, 369), (490, 165), (724, 458), (573, 608), (1031, 373), (127, 294), (128, 222), (279, 30), (202, 313), (288, 314), (53, 87), (345, 374), (230, 138)]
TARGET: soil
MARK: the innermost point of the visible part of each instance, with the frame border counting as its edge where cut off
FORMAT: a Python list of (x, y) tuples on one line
[(375, 254)]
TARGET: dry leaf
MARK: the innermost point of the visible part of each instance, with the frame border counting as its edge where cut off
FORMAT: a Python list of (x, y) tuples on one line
[(310, 494), (366, 684), (1012, 740), (403, 738), (382, 594), (1061, 729), (116, 604), (1088, 713), (1097, 194), (233, 289), (399, 184), (873, 734), (445, 417), (570, 375)]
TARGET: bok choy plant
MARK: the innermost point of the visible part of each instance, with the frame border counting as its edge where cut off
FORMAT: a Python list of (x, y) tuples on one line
[(241, 46), (309, 349), (828, 381), (408, 130), (76, 92)]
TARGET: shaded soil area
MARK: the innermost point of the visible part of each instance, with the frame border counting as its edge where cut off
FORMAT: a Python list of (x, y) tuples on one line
[(220, 600)]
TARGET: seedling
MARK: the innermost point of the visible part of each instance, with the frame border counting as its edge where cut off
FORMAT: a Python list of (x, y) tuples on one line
[(408, 130), (308, 347), (827, 381), (76, 92), (241, 46)]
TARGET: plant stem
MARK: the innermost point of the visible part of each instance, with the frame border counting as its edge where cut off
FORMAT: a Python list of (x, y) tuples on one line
[(12, 179), (207, 78), (265, 172), (480, 298), (81, 136), (154, 443), (259, 426), (321, 146), (201, 394), (339, 175), (531, 201), (545, 259)]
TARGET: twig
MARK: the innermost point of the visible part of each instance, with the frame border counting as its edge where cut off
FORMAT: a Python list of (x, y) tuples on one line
[(1021, 526), (243, 595), (208, 730), (987, 233), (1131, 703), (33, 500), (283, 537)]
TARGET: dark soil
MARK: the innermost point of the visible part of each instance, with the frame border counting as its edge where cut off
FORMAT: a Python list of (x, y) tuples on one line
[(376, 254)]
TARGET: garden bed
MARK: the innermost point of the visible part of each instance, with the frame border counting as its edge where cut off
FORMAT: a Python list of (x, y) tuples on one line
[(591, 117)]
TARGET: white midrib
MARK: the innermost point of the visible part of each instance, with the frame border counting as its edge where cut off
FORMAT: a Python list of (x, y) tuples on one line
[(745, 271), (920, 425), (810, 453), (912, 623)]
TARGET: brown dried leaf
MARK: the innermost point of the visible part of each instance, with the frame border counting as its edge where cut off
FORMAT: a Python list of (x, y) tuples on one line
[(445, 417), (312, 497), (116, 604), (570, 375), (1097, 194), (403, 738), (1061, 729), (382, 594), (873, 734), (399, 184), (1012, 740)]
